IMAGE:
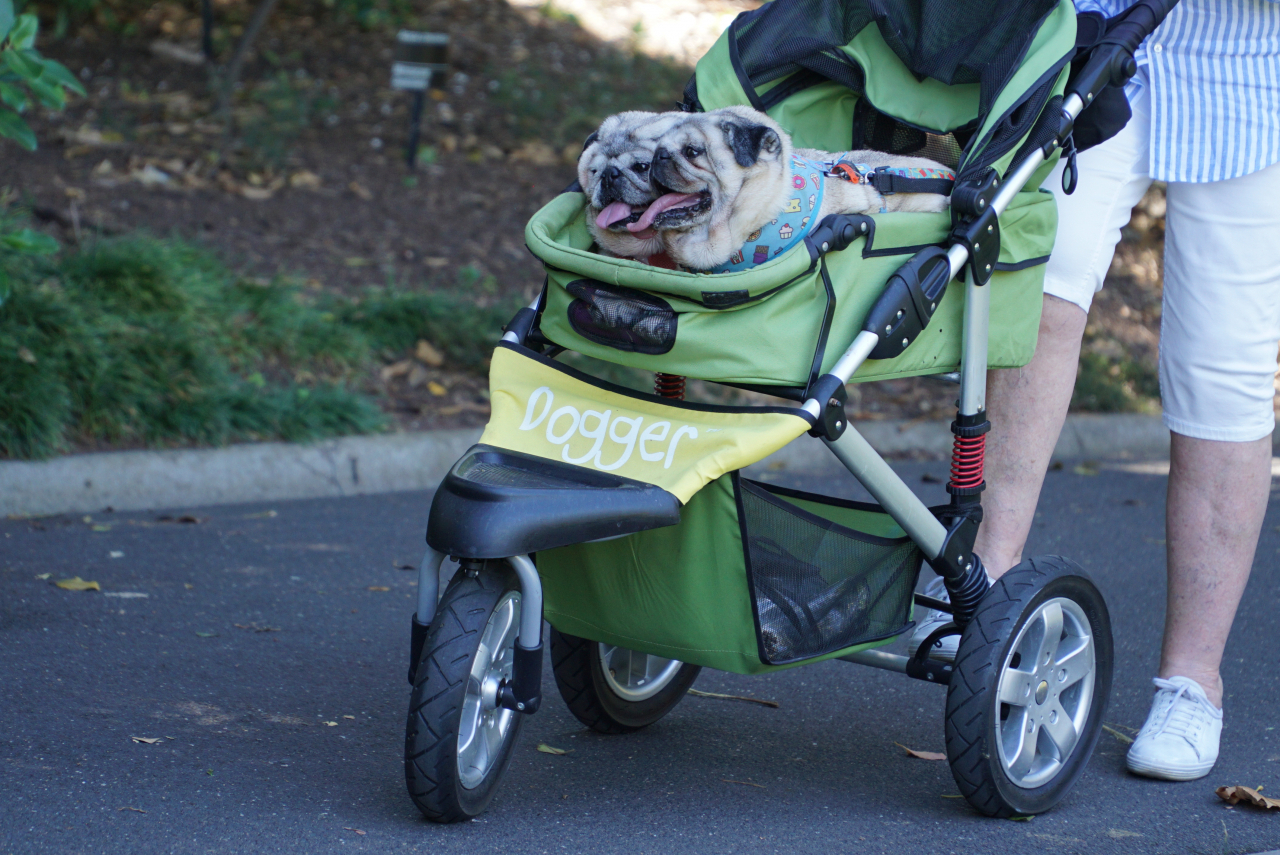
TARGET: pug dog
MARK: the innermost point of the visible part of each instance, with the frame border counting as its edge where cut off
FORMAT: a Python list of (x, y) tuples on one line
[(614, 173), (721, 176)]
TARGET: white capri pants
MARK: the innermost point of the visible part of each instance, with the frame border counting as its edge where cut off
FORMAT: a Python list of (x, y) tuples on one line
[(1220, 324)]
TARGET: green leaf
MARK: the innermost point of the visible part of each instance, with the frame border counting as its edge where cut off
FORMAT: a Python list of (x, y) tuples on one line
[(13, 95), (28, 242), (50, 95), (56, 72), (6, 18), (22, 64), (12, 126), (23, 34)]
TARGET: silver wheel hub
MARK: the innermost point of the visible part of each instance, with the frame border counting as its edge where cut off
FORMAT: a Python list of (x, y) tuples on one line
[(1045, 692), (484, 725), (635, 676)]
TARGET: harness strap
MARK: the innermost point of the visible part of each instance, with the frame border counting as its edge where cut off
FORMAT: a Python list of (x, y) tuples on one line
[(889, 179)]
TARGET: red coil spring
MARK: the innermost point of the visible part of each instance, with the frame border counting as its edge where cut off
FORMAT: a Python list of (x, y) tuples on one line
[(669, 385), (967, 455)]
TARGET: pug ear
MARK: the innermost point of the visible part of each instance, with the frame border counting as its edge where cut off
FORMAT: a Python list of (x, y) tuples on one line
[(750, 141), (595, 135)]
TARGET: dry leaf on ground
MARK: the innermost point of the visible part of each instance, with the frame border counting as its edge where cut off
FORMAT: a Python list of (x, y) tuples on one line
[(356, 830), (75, 583), (360, 190), (424, 352), (304, 180), (436, 389), (719, 696), (146, 740), (1248, 795), (331, 724), (257, 627), (134, 809), (1127, 740), (43, 576), (550, 749), (379, 588), (921, 755), (206, 635), (1121, 834), (743, 783), (189, 519), (115, 553)]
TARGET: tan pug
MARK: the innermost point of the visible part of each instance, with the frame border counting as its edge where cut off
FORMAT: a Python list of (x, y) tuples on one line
[(614, 173), (727, 172)]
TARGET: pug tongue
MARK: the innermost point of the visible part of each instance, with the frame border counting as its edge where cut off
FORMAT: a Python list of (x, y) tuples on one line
[(662, 203), (613, 212)]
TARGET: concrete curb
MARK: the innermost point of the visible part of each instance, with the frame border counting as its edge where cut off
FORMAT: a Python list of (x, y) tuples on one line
[(134, 480)]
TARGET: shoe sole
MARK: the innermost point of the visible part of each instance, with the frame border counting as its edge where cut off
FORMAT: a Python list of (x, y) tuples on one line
[(1169, 773)]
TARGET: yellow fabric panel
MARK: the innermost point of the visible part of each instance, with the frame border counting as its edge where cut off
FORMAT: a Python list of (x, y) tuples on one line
[(543, 409)]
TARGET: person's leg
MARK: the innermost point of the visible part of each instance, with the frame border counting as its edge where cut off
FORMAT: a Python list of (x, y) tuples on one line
[(1218, 334)]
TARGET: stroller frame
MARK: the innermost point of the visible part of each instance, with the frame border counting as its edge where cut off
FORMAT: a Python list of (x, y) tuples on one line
[(993, 782)]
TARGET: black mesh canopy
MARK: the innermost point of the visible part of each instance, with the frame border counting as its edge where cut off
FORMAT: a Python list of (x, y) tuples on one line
[(952, 41)]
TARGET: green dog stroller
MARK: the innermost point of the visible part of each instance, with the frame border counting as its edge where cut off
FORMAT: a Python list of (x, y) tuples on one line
[(623, 519)]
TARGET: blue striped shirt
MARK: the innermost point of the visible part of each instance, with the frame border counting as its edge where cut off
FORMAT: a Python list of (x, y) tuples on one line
[(1214, 71)]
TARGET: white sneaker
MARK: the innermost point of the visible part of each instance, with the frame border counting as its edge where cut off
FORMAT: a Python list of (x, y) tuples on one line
[(944, 649), (1179, 742)]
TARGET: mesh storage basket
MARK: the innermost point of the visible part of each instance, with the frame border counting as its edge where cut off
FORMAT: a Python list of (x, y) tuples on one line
[(754, 577)]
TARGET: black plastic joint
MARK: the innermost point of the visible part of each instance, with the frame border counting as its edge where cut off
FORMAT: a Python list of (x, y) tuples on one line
[(523, 692), (981, 237), (830, 392), (908, 302), (972, 198), (961, 569), (967, 427), (921, 667), (417, 638), (522, 324), (836, 232)]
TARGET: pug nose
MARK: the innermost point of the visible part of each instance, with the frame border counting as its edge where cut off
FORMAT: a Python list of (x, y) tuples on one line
[(614, 173), (662, 154)]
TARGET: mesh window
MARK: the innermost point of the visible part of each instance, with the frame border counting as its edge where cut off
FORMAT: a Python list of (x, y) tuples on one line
[(817, 586), (874, 130), (621, 318)]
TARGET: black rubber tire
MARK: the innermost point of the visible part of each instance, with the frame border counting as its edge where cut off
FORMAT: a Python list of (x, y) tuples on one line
[(435, 705), (971, 719), (580, 679)]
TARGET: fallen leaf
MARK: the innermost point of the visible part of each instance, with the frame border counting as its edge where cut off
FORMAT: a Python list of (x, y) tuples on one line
[(177, 52), (549, 749), (26, 356), (1121, 834), (127, 595), (44, 575), (1127, 740), (134, 809), (75, 583), (1248, 795), (396, 369), (115, 553), (146, 740), (257, 627), (360, 190), (921, 755), (188, 519), (743, 783), (356, 261), (427, 354), (952, 796), (1021, 818), (331, 724), (763, 703), (100, 527), (353, 718), (304, 180), (1085, 469), (356, 830), (379, 588), (418, 375), (207, 634), (188, 585)]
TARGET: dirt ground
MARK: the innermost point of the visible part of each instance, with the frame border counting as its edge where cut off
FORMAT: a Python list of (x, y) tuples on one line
[(317, 185)]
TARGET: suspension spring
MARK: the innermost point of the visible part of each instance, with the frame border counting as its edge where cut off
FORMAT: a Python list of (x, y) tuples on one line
[(967, 457), (669, 385)]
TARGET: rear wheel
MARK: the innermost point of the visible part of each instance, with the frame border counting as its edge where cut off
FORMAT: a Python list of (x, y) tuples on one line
[(1031, 683), (458, 741), (613, 689)]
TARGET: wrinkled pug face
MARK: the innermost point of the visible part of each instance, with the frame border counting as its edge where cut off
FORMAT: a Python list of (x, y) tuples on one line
[(719, 176), (614, 173)]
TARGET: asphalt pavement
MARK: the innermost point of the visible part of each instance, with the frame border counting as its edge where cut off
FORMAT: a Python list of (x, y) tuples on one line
[(238, 686)]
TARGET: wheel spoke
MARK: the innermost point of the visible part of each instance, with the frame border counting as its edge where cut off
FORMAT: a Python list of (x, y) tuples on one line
[(1017, 687), (1023, 739), (1075, 663), (1061, 729), (1051, 618)]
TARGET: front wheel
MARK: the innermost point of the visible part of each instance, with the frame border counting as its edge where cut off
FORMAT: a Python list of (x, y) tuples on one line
[(458, 741), (1031, 682), (615, 690)]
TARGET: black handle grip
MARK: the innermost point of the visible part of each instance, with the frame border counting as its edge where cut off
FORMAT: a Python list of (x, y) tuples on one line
[(1111, 63)]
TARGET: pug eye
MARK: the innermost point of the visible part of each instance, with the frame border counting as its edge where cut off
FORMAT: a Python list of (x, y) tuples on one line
[(692, 151), (640, 168)]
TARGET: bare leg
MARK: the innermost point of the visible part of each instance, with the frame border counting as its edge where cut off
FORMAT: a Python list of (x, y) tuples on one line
[(1218, 495), (1027, 407)]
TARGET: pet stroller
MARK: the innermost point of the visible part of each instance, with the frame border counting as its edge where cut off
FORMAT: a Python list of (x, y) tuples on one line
[(622, 518)]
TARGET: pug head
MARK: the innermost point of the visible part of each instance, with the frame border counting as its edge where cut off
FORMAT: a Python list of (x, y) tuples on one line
[(720, 176), (614, 173)]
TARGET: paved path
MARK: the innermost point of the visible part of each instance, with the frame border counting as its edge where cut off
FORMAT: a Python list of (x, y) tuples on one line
[(261, 624)]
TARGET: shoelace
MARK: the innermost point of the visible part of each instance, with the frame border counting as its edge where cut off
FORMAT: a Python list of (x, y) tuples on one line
[(1175, 719)]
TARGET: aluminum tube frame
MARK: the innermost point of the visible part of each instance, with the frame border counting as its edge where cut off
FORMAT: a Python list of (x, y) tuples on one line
[(429, 585), (878, 659), (530, 635), (853, 450)]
